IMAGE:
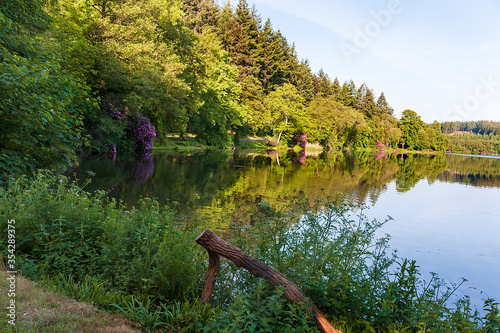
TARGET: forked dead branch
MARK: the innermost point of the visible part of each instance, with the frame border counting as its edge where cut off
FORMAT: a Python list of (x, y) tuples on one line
[(217, 247)]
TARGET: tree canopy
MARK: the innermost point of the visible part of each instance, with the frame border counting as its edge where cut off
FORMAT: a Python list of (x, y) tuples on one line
[(78, 74)]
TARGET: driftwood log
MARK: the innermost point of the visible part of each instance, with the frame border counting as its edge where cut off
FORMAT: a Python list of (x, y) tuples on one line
[(216, 246)]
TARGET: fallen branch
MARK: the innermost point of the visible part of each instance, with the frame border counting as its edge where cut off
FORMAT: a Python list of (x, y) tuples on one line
[(216, 246)]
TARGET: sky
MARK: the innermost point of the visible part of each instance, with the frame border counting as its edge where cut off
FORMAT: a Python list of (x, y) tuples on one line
[(439, 58)]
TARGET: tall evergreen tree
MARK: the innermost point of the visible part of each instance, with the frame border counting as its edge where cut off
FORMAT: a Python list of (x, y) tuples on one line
[(239, 37), (360, 96), (336, 88), (323, 84), (270, 57), (303, 80), (383, 107), (348, 94), (368, 107)]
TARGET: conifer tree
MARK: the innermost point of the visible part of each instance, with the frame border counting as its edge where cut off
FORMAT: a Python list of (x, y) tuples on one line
[(383, 107), (239, 36), (324, 85), (360, 97), (271, 59), (336, 88), (348, 94), (303, 80), (368, 106)]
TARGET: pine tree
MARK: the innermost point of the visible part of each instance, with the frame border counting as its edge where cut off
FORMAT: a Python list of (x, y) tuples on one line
[(336, 88), (271, 59), (224, 25), (383, 107), (368, 107), (242, 43), (360, 97), (348, 94), (323, 85), (303, 80)]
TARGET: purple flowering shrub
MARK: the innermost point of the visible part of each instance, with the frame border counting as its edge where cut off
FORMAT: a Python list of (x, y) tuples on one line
[(300, 140), (106, 124), (141, 132), (109, 106)]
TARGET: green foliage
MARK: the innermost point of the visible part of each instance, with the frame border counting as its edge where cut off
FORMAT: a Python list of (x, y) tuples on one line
[(476, 127), (142, 42), (286, 112), (65, 230), (41, 103), (219, 111), (417, 135), (188, 316), (90, 290), (345, 270), (333, 124), (188, 66), (264, 310), (383, 106), (475, 144), (252, 96), (411, 124)]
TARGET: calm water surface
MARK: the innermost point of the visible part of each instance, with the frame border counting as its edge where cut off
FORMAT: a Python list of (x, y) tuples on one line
[(446, 209)]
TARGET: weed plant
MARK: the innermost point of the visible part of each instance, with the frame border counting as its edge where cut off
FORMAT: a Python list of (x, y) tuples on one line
[(144, 262), (349, 274)]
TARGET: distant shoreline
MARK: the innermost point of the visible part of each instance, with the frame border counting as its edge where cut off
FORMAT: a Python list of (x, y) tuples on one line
[(486, 156)]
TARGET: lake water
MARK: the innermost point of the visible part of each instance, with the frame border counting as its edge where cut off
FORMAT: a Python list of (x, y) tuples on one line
[(446, 208)]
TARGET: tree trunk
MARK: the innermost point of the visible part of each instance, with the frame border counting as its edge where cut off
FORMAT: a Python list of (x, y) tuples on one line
[(216, 246), (286, 123)]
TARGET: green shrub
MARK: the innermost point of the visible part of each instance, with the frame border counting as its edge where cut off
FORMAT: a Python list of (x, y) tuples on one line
[(348, 273), (264, 310), (61, 229)]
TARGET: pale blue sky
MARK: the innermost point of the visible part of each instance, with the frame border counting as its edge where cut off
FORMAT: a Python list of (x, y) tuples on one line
[(439, 58)]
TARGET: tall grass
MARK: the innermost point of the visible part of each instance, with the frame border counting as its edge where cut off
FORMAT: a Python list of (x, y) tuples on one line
[(144, 262)]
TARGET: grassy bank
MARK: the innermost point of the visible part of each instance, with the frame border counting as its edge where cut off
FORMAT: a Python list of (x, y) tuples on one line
[(187, 144), (144, 263), (39, 309), (190, 144)]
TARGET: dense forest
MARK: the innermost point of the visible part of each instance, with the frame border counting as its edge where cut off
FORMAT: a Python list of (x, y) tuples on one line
[(482, 127), (473, 137), (109, 75)]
